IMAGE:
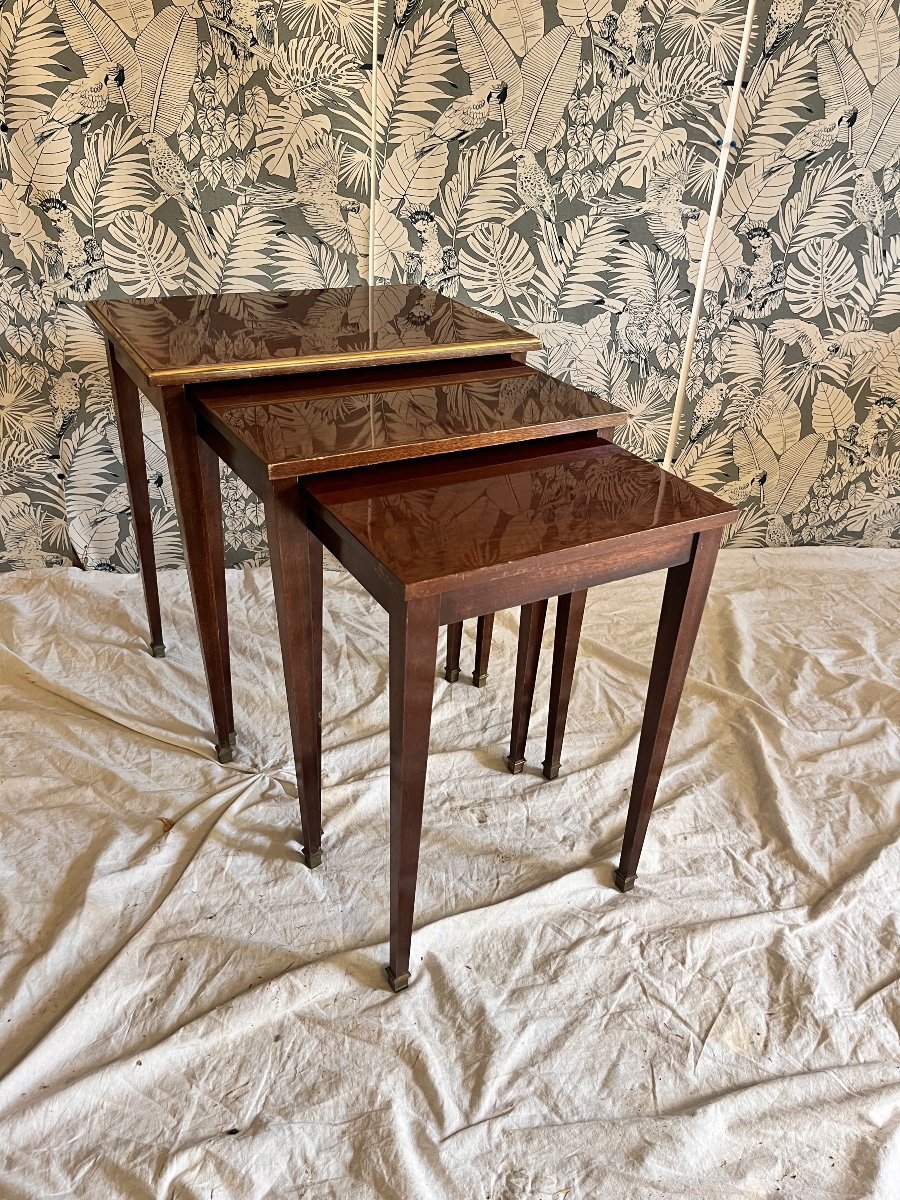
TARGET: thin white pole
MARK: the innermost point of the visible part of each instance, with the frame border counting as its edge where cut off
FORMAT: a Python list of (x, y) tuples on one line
[(373, 138), (714, 208)]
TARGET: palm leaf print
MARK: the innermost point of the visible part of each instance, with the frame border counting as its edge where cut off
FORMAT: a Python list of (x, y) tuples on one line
[(241, 235), (798, 470), (303, 263), (41, 167), (496, 265), (549, 73), (877, 144), (832, 410), (130, 15), (167, 49), (29, 47), (237, 152), (485, 54), (144, 256), (842, 84), (522, 22), (97, 39), (21, 225), (410, 179), (484, 180), (312, 72), (754, 456), (877, 47), (113, 174), (822, 275)]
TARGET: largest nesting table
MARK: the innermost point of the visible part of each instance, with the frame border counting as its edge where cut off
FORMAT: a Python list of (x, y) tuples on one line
[(261, 368)]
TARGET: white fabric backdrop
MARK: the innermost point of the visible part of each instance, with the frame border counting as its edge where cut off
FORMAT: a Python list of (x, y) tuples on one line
[(188, 1012)]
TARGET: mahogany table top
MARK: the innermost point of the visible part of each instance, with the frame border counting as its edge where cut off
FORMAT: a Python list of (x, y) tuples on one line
[(427, 520), (324, 423), (184, 340)]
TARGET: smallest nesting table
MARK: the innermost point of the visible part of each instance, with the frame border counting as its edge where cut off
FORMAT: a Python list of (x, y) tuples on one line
[(576, 512)]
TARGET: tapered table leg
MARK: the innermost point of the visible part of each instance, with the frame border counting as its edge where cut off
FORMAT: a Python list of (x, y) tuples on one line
[(315, 624), (483, 632), (454, 644), (531, 628), (191, 488), (569, 615), (682, 607), (212, 498), (294, 554), (413, 647), (127, 404)]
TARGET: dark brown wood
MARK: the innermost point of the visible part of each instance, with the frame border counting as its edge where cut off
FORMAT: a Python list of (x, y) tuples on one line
[(567, 516), (212, 503), (492, 515), (531, 629), (188, 339), (423, 404), (413, 647), (685, 594), (192, 489), (569, 615), (302, 431), (483, 634), (454, 644), (297, 584), (127, 405)]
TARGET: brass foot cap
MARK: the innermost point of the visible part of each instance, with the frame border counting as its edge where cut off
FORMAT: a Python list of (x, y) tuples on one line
[(624, 882), (479, 680), (515, 765), (312, 860), (451, 674), (225, 754), (398, 982), (550, 770), (158, 650)]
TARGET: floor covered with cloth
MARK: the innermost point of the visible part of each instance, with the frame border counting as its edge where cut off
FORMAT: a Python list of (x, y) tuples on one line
[(188, 1012)]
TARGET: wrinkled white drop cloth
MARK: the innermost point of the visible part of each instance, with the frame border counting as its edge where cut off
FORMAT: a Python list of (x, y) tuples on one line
[(188, 1012)]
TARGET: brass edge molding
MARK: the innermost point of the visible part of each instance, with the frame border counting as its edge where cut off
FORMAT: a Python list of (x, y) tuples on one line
[(305, 364)]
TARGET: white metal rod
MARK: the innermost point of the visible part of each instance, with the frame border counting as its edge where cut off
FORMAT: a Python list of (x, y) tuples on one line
[(714, 207), (373, 135)]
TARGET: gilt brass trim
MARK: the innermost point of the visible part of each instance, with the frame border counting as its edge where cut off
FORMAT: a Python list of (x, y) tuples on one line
[(512, 343)]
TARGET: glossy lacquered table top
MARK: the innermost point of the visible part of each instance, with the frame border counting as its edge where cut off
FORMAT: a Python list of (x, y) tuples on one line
[(191, 339), (429, 520), (303, 427)]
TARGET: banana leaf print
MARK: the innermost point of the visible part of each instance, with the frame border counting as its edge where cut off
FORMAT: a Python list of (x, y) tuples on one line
[(551, 161)]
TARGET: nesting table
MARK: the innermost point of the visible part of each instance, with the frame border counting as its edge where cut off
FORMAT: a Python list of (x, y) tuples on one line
[(579, 511), (449, 477), (318, 380)]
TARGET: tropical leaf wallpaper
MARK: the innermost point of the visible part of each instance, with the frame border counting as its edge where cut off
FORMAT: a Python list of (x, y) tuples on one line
[(553, 163)]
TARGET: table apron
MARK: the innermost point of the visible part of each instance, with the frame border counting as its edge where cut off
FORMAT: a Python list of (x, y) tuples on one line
[(539, 583)]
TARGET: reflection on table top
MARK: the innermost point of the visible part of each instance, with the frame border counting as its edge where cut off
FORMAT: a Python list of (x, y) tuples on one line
[(425, 520), (190, 339), (369, 417)]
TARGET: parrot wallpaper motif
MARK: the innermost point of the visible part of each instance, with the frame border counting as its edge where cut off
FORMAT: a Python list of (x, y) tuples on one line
[(549, 162)]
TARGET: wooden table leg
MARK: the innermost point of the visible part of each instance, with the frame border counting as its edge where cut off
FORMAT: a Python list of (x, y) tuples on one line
[(195, 498), (483, 632), (682, 607), (569, 615), (454, 645), (127, 405), (413, 647), (296, 555), (531, 628), (212, 496)]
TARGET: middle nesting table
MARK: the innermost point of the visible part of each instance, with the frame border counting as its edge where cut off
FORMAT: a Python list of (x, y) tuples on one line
[(275, 433)]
